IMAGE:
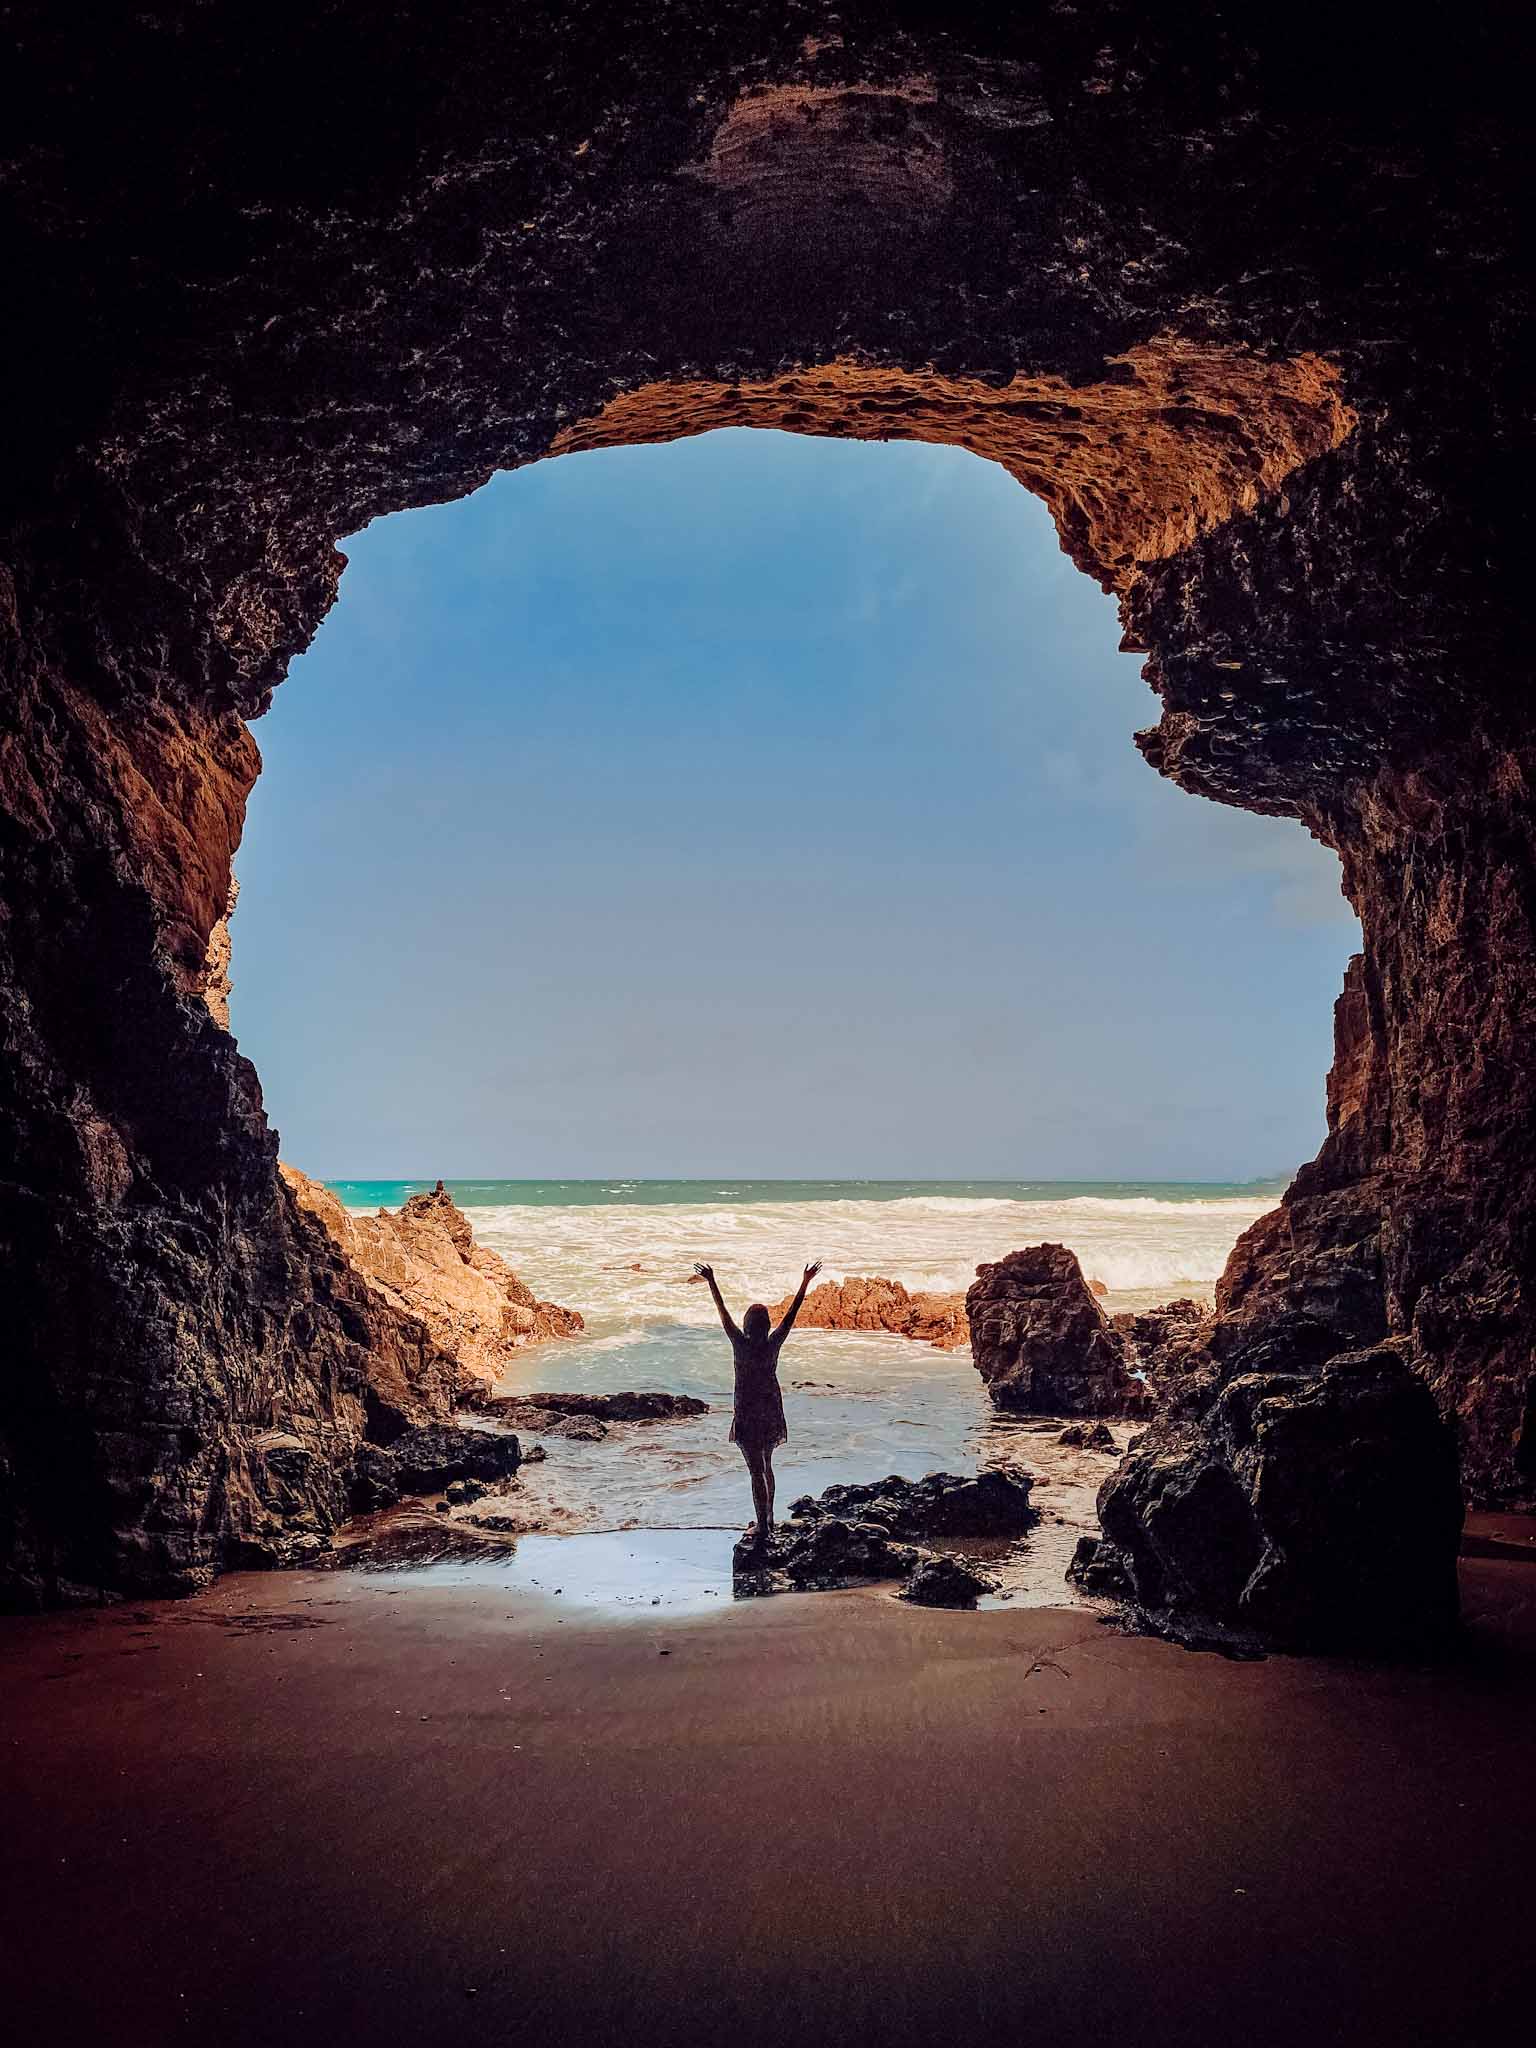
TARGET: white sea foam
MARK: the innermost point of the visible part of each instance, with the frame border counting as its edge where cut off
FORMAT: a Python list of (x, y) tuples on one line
[(1138, 1246)]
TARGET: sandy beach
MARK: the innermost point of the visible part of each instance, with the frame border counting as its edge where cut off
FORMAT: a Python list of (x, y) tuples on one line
[(327, 1807)]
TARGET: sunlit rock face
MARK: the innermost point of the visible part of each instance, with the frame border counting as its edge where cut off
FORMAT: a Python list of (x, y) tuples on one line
[(422, 1259), (1250, 321)]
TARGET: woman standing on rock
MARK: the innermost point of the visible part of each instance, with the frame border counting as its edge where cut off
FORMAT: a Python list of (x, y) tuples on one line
[(758, 1425)]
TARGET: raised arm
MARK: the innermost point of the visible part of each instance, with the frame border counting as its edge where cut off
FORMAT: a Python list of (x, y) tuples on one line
[(708, 1273), (794, 1307)]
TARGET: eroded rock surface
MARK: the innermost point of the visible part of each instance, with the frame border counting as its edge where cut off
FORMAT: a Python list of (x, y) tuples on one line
[(1041, 1342), (991, 1503), (1316, 1511), (947, 1582), (432, 1459), (1246, 302), (878, 1531), (879, 1304), (423, 1259)]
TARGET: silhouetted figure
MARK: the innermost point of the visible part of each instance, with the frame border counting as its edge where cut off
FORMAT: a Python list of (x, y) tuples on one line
[(757, 1427)]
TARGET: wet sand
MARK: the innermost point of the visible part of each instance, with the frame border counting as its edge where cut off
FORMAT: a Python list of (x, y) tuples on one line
[(329, 1807)]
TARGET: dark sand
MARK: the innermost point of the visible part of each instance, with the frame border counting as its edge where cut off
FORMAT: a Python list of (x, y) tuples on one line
[(328, 1808)]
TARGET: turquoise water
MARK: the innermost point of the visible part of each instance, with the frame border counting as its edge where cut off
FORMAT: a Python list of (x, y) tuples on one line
[(554, 1194)]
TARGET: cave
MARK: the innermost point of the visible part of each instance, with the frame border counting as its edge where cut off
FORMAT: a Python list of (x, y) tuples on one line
[(1248, 324), (1240, 294)]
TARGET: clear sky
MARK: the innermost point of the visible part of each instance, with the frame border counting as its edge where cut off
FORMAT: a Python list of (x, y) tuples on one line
[(760, 805)]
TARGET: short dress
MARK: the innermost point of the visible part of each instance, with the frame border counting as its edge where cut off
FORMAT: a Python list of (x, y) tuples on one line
[(759, 1417)]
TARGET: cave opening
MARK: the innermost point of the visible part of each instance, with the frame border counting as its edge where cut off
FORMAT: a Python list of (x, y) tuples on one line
[(1239, 295), (1141, 271), (744, 835), (760, 804)]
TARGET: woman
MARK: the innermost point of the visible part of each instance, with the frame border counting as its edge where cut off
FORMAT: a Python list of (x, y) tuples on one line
[(758, 1424)]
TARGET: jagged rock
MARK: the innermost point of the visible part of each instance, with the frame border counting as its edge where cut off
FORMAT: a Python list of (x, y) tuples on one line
[(851, 1532), (429, 1459), (1088, 1436), (947, 1582), (423, 1259), (645, 1406), (1316, 1511), (1041, 1342), (517, 1413), (824, 1555), (991, 1503), (1098, 1567), (878, 1304)]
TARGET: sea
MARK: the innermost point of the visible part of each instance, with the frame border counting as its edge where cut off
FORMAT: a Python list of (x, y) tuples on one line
[(656, 1508)]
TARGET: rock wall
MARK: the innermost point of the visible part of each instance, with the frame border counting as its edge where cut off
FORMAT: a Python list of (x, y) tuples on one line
[(1252, 318)]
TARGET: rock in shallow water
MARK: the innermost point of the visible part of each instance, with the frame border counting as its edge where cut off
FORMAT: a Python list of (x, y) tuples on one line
[(993, 1503), (879, 1304), (427, 1459), (585, 1415), (1041, 1342), (849, 1533)]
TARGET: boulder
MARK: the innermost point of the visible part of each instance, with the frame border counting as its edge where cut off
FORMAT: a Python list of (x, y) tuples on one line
[(518, 1413), (645, 1406), (823, 1556), (430, 1459), (423, 1259), (1088, 1436), (946, 1582), (878, 1304), (1315, 1511), (993, 1503), (1041, 1342)]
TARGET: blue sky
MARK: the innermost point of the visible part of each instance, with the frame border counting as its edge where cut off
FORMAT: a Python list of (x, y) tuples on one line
[(759, 805)]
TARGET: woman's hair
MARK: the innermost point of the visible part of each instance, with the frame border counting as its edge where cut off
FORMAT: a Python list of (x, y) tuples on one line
[(756, 1322)]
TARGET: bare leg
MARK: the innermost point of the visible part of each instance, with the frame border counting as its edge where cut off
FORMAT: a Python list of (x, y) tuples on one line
[(768, 1480), (761, 1483)]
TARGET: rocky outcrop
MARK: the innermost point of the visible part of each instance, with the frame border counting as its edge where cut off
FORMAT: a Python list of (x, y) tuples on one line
[(1253, 323), (644, 1406), (992, 1503), (1041, 1342), (1314, 1511), (853, 1533), (877, 1304), (432, 1459), (586, 1418), (423, 1259)]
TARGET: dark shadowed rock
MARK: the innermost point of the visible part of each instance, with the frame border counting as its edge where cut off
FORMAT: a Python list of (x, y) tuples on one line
[(1041, 1342), (515, 1413), (429, 1459), (993, 1503), (819, 1557), (1088, 1436), (946, 1582), (622, 1407), (1318, 1511)]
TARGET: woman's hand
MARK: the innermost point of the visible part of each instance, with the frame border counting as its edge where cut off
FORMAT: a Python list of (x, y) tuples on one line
[(812, 1270), (704, 1272)]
